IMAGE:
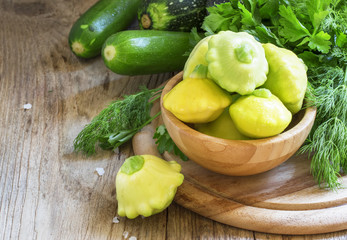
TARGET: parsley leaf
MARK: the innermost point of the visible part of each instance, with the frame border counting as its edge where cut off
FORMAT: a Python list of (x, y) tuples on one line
[(268, 8), (165, 143), (320, 42), (341, 39), (247, 16), (224, 16), (291, 28), (317, 11)]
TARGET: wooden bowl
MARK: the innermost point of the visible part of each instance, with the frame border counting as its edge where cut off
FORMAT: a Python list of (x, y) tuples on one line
[(237, 157)]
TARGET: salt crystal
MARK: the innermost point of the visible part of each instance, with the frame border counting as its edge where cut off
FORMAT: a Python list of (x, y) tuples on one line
[(125, 234), (132, 238), (115, 220), (27, 106), (100, 171)]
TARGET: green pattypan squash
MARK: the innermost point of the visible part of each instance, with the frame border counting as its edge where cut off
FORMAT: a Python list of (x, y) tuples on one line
[(222, 127), (236, 61), (196, 57), (287, 77)]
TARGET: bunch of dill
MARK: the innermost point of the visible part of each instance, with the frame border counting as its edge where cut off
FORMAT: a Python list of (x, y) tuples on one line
[(117, 123)]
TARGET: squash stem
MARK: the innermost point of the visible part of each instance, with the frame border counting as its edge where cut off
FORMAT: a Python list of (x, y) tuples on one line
[(200, 71)]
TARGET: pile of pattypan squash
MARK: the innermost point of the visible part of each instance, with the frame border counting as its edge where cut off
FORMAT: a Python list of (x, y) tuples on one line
[(234, 87)]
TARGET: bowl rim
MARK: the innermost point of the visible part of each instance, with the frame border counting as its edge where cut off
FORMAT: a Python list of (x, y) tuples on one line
[(307, 119)]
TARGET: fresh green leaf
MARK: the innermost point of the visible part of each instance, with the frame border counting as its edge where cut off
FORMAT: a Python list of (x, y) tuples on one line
[(161, 130), (317, 11), (309, 58), (165, 143), (265, 35), (235, 24), (221, 17), (341, 39), (291, 28), (194, 38), (215, 22), (320, 42), (268, 8), (179, 153), (247, 17)]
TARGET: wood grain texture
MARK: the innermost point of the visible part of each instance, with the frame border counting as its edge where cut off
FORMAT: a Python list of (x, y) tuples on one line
[(46, 190)]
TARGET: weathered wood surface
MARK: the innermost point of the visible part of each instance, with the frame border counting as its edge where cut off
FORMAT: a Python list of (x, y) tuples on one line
[(46, 190)]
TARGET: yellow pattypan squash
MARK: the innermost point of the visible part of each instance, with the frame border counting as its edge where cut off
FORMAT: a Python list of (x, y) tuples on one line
[(222, 127), (260, 114), (196, 99), (146, 185)]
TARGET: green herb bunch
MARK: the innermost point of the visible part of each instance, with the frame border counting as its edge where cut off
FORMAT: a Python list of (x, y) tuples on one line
[(316, 31), (117, 123)]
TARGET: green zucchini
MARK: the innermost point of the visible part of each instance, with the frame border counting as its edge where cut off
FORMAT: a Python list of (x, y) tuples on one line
[(140, 52), (100, 21), (171, 15)]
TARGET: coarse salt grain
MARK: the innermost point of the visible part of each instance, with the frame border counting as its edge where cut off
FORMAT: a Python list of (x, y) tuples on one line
[(100, 171), (27, 106), (125, 234), (132, 238), (115, 220)]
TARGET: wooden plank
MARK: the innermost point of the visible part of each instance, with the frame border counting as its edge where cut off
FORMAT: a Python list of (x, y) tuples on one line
[(47, 191), (184, 224)]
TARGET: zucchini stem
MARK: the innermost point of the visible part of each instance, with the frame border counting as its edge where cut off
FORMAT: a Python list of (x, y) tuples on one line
[(109, 52), (77, 48), (146, 21)]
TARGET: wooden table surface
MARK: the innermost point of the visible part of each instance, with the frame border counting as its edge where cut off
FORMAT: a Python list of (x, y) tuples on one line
[(46, 190)]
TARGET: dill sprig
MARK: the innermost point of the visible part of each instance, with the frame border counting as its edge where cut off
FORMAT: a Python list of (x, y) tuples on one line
[(328, 138), (328, 91), (327, 146), (118, 122)]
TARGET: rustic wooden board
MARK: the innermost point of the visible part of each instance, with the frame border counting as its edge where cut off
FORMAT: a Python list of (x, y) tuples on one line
[(46, 190), (284, 200)]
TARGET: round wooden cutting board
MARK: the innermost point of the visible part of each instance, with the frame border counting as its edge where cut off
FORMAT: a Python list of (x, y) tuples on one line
[(284, 200)]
